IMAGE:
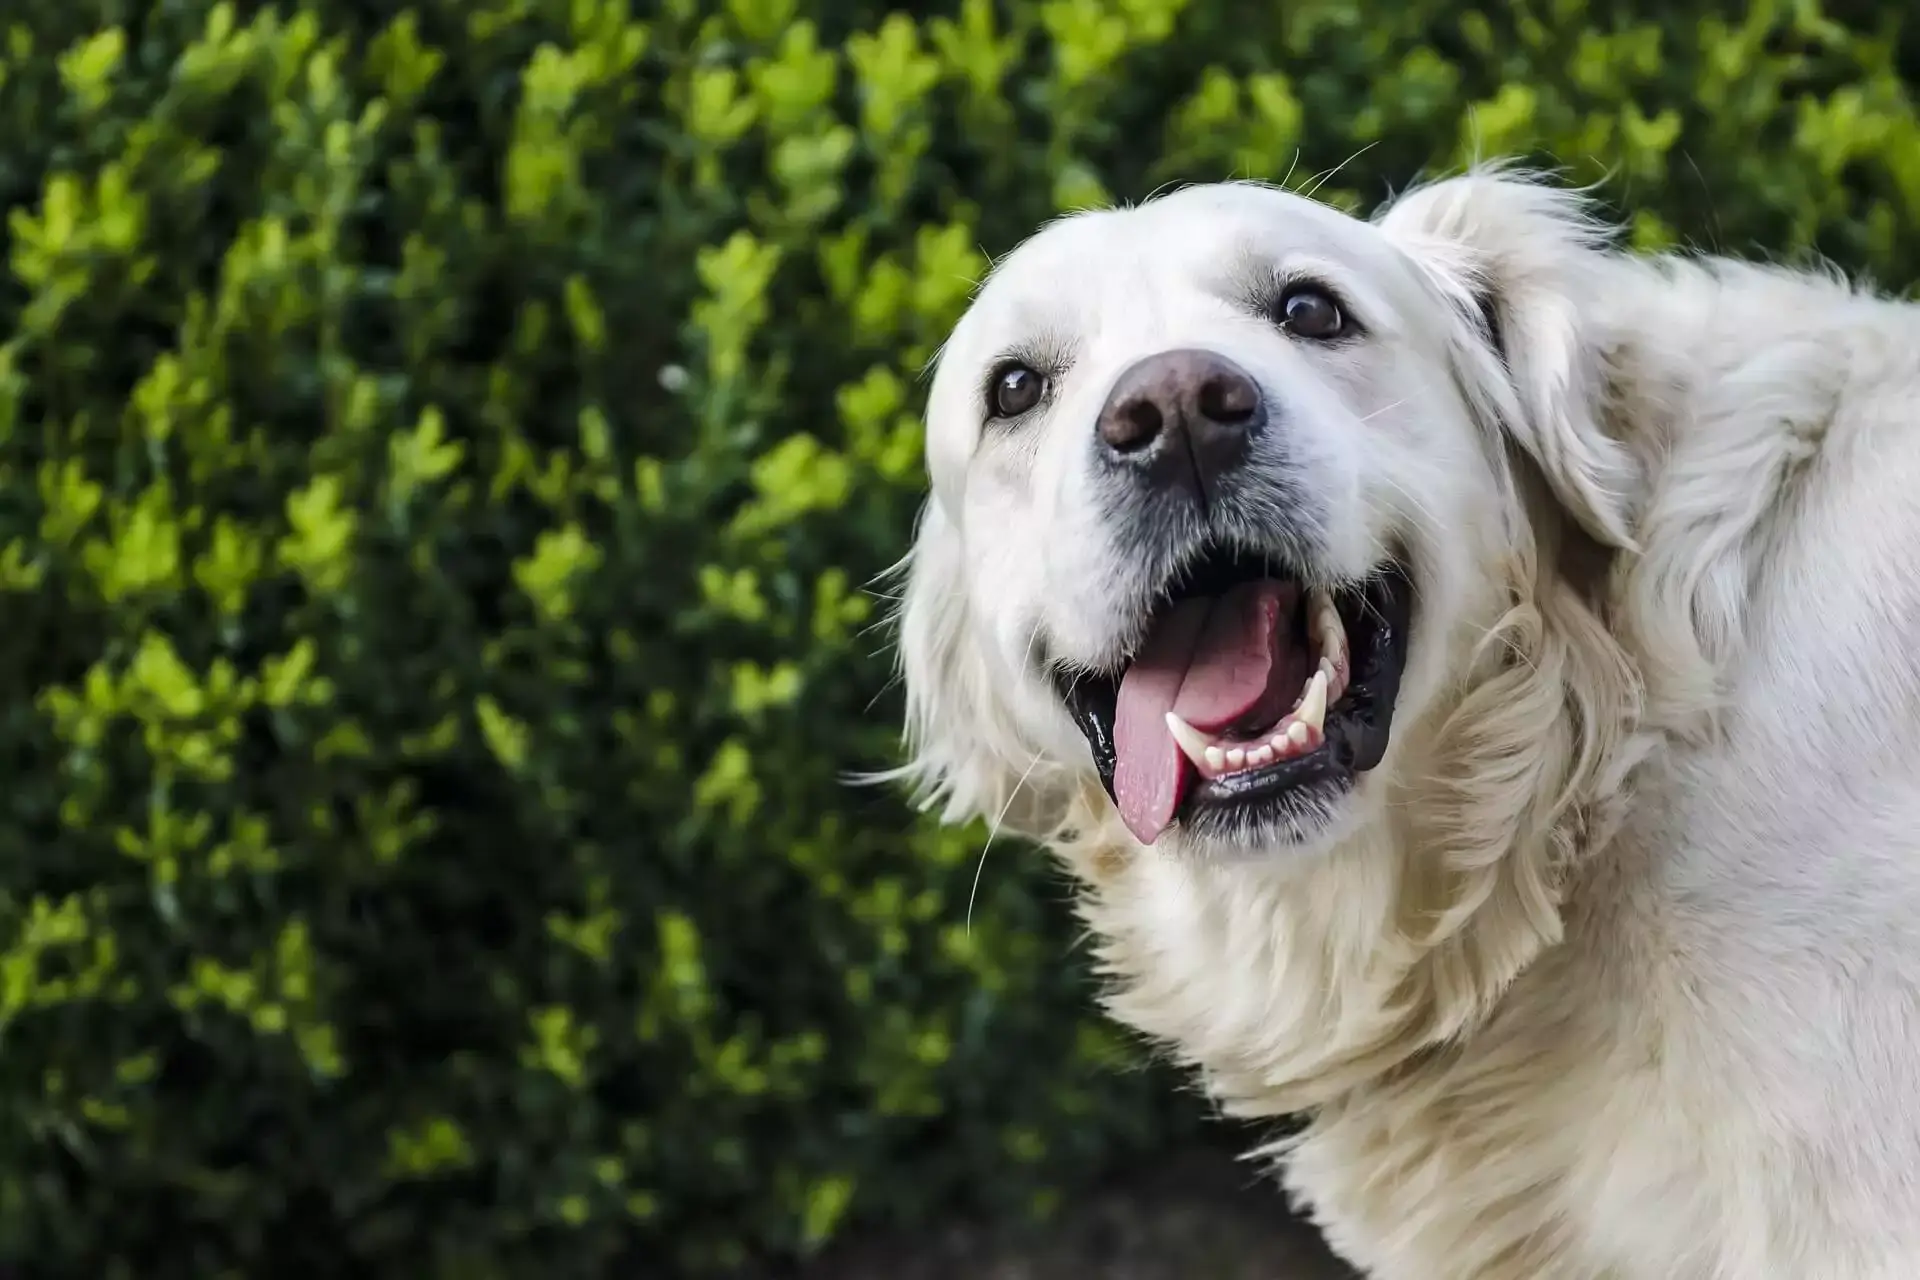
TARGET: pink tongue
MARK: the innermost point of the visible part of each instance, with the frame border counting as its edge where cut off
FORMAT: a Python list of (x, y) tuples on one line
[(1210, 660)]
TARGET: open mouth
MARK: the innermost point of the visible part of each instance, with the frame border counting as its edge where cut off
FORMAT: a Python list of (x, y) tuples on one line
[(1254, 700)]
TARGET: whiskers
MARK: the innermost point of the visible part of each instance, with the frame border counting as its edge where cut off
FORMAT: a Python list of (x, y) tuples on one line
[(1321, 179), (1413, 500), (1385, 408), (992, 832)]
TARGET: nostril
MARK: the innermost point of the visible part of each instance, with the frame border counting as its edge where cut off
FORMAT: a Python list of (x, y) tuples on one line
[(1229, 398), (1131, 425)]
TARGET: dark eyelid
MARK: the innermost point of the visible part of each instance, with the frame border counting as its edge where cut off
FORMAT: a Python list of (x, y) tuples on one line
[(1291, 283), (997, 369), (1047, 366), (1263, 286)]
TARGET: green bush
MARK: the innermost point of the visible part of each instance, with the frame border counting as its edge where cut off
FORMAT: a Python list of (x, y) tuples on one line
[(443, 458)]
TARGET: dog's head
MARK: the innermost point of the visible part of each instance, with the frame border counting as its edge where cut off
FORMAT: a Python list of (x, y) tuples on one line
[(1237, 501)]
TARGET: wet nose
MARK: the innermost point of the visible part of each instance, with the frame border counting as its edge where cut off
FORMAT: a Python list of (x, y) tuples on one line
[(1180, 418)]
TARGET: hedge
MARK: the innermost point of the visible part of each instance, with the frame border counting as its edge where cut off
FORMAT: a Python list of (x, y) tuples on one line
[(443, 455)]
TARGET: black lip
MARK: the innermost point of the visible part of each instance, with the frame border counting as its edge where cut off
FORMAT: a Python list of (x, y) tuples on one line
[(1378, 615)]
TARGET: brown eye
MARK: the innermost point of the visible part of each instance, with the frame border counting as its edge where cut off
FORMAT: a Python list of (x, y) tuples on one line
[(1016, 390), (1307, 312)]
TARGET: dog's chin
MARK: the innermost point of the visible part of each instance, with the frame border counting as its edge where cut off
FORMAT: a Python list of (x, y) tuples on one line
[(1294, 828), (1304, 820), (1285, 774)]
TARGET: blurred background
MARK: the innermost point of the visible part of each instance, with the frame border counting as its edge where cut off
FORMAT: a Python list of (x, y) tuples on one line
[(446, 454)]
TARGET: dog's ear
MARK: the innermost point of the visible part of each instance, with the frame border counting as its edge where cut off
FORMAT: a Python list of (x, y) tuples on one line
[(1519, 260), (964, 752)]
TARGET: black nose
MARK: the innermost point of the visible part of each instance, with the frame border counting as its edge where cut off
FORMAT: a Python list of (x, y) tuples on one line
[(1181, 418)]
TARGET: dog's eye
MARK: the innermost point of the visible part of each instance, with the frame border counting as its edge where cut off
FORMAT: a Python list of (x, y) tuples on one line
[(1307, 312), (1016, 390)]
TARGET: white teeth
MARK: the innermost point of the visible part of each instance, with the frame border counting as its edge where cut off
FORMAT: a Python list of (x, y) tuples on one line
[(1313, 707), (1330, 638), (1331, 674), (1191, 740), (1300, 731), (1333, 645), (1326, 618)]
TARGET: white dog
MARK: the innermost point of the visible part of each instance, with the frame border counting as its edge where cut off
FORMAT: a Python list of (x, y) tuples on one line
[(1476, 675)]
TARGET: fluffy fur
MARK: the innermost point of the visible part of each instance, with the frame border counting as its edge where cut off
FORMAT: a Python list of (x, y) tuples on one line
[(1612, 968)]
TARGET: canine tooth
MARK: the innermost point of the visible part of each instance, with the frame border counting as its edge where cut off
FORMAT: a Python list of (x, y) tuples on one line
[(1333, 636), (1191, 740), (1216, 759), (1236, 757), (1298, 734), (1313, 707), (1336, 683)]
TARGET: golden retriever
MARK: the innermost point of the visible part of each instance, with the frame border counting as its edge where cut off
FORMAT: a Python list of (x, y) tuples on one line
[(1472, 672)]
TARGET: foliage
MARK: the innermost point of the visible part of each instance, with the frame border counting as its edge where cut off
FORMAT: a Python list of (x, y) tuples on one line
[(442, 452)]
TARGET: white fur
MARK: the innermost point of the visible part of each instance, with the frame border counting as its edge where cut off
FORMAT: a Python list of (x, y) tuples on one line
[(1612, 968)]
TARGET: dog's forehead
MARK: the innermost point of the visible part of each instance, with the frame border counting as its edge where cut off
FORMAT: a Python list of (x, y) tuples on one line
[(1195, 241)]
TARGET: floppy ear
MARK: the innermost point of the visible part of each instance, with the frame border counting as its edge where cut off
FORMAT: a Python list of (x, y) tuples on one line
[(1522, 260), (1530, 759), (965, 755)]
